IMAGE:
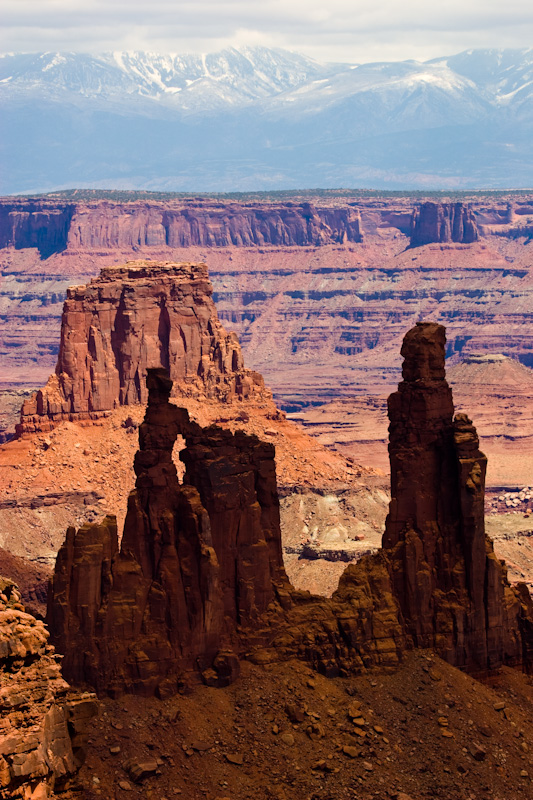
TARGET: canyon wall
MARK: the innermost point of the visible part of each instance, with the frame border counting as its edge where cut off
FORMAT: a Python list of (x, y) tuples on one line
[(443, 222), (295, 281), (51, 227), (141, 315), (199, 583), (45, 226)]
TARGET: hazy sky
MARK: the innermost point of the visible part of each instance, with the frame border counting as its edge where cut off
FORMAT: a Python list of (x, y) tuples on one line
[(335, 30)]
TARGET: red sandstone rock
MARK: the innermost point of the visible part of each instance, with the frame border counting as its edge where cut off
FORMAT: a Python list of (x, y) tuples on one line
[(36, 224), (139, 316), (52, 227), (199, 581), (197, 560), (332, 306), (30, 578), (443, 222), (452, 590), (43, 724)]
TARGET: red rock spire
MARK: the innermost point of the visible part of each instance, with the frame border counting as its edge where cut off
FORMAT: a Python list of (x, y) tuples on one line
[(196, 560), (452, 590), (199, 582)]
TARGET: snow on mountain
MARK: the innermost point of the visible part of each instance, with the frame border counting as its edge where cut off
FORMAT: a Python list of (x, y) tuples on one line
[(397, 96), (277, 78), (259, 117), (231, 77), (498, 71)]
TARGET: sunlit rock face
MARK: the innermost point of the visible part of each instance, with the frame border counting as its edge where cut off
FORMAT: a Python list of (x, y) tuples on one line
[(134, 317), (44, 724)]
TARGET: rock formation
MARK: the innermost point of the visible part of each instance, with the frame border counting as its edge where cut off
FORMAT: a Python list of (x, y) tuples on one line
[(44, 226), (197, 560), (199, 582), (452, 589), (130, 318), (52, 227), (43, 724), (31, 579), (304, 291), (443, 222)]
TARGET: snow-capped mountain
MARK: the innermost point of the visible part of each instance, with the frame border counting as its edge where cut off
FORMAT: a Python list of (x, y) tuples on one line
[(265, 118), (192, 82)]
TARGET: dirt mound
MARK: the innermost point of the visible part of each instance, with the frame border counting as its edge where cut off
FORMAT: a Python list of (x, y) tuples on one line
[(285, 733)]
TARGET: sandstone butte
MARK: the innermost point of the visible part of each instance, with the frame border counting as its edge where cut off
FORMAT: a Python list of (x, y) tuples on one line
[(198, 582), (74, 454), (130, 318), (443, 222)]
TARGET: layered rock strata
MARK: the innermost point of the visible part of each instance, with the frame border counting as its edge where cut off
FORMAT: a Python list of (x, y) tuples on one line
[(52, 227), (334, 302), (43, 724), (197, 560), (443, 222), (199, 581), (131, 318), (44, 226)]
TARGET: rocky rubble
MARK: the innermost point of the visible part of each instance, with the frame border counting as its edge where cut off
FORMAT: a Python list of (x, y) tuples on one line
[(199, 582), (43, 724), (423, 731), (521, 500)]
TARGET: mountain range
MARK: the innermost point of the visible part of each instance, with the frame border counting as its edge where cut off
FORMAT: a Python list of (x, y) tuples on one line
[(259, 118)]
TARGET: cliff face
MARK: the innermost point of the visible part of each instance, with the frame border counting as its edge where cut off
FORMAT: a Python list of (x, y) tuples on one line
[(199, 581), (52, 228), (41, 225), (196, 561), (144, 314), (443, 222), (294, 281)]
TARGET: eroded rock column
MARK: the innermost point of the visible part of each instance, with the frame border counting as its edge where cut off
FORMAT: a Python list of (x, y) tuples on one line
[(452, 590), (197, 560)]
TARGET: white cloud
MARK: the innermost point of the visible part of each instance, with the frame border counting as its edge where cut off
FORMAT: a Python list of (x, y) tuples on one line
[(350, 30)]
